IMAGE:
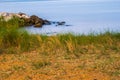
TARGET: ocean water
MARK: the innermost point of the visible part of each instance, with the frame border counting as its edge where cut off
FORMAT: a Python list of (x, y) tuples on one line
[(84, 16)]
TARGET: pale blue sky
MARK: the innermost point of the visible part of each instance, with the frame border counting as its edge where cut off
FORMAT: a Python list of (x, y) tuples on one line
[(63, 0)]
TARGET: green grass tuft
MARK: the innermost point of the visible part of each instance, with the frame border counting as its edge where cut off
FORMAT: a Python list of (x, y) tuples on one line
[(13, 40)]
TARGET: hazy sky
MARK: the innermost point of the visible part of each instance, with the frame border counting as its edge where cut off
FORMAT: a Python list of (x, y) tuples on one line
[(91, 0), (63, 0)]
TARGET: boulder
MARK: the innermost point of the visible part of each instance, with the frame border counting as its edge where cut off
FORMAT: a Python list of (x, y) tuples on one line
[(36, 21), (22, 15), (38, 25), (61, 23), (46, 22), (6, 16), (11, 15)]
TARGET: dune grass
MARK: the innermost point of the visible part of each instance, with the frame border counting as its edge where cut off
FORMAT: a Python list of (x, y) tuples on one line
[(94, 52)]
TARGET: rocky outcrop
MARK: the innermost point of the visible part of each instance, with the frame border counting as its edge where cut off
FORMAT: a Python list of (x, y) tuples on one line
[(36, 21), (7, 16), (30, 20)]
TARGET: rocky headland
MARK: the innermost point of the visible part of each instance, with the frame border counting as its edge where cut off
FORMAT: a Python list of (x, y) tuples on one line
[(32, 20)]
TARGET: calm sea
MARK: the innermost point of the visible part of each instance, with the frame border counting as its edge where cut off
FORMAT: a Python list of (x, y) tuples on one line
[(84, 16)]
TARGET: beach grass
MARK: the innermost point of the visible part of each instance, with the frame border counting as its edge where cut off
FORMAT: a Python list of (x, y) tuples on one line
[(25, 56)]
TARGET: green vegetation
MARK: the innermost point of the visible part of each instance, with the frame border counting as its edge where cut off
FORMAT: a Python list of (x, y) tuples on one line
[(96, 52), (10, 37), (13, 40)]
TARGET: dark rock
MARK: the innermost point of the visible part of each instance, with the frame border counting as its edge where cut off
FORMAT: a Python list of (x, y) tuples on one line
[(36, 21), (53, 22), (46, 22), (20, 13), (26, 20), (61, 23), (38, 25)]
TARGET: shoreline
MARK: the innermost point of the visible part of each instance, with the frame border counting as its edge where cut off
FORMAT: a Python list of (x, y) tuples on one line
[(65, 56), (87, 49), (84, 17)]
